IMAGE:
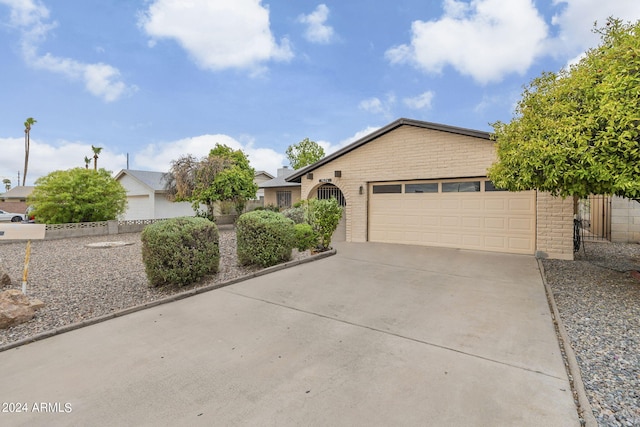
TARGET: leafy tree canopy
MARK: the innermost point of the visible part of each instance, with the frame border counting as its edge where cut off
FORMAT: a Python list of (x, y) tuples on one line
[(77, 195), (577, 132), (224, 175), (304, 153)]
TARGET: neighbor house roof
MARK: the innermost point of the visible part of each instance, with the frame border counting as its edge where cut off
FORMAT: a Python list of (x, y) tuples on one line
[(280, 181), (156, 180), (265, 173), (20, 192), (297, 176), (153, 180)]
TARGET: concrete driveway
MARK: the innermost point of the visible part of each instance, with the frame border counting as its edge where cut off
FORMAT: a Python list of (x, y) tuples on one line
[(382, 335)]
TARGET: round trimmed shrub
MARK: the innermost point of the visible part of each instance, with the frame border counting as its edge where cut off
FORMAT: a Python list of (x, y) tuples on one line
[(180, 251), (306, 237), (264, 238)]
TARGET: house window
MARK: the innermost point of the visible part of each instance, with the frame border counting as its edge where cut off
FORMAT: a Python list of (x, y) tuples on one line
[(284, 199), (461, 187), (489, 186), (431, 187), (387, 188)]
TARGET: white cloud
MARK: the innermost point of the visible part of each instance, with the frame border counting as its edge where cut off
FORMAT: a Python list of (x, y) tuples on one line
[(331, 148), (31, 19), (317, 30), (375, 105), (45, 158), (483, 39), (217, 34), (420, 102), (575, 23), (158, 157)]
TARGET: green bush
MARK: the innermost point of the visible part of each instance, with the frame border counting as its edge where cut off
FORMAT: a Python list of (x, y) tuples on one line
[(296, 214), (306, 238), (324, 216), (180, 251), (264, 238)]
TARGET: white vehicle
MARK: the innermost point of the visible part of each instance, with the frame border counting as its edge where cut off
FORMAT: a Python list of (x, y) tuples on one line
[(13, 217)]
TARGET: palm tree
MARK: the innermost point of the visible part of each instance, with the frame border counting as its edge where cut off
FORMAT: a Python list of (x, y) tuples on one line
[(7, 183), (27, 142), (96, 151), (87, 160)]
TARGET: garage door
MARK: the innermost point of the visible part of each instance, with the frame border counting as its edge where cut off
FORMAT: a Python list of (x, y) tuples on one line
[(469, 214)]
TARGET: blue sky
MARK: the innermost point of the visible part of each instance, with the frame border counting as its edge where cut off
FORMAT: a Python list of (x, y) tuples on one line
[(158, 79)]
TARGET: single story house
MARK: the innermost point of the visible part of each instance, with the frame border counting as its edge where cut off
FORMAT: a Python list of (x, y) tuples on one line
[(421, 183), (279, 192), (147, 198), (17, 194), (260, 177), (15, 199)]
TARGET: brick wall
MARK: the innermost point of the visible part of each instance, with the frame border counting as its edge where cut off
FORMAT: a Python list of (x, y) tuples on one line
[(554, 227)]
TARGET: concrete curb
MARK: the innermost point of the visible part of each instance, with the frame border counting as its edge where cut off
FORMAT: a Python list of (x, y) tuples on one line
[(172, 298), (573, 369)]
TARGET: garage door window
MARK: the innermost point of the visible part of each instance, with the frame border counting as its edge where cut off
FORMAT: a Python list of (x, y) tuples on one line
[(489, 186), (431, 187), (387, 188), (461, 187)]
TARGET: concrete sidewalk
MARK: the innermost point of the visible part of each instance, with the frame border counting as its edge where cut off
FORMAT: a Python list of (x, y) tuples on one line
[(381, 335)]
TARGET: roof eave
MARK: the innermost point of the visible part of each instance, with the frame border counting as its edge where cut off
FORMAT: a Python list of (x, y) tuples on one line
[(297, 176)]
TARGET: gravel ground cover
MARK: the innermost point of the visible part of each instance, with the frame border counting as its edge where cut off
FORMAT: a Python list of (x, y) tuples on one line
[(599, 304), (79, 282)]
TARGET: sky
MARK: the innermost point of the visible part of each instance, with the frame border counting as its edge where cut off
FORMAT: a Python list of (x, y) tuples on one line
[(150, 81)]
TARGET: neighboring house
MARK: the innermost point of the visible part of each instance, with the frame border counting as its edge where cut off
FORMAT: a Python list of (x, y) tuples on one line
[(260, 177), (17, 194), (146, 196), (15, 199), (278, 192), (420, 183)]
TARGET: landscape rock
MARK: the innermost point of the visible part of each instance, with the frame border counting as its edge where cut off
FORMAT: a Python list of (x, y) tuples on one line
[(5, 279), (16, 308)]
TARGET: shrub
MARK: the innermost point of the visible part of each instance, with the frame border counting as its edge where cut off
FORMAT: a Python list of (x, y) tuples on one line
[(264, 238), (306, 238), (296, 214), (324, 216), (180, 251)]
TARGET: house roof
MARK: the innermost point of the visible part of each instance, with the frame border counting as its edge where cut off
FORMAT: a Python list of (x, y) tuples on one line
[(265, 173), (153, 180), (280, 181), (297, 176), (156, 180), (19, 192)]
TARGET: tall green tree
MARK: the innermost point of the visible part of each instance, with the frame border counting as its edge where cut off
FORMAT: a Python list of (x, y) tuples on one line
[(7, 183), (577, 132), (304, 153), (87, 161), (27, 146), (77, 195), (224, 175)]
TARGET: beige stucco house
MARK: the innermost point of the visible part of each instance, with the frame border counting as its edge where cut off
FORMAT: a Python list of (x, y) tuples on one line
[(279, 192), (420, 183)]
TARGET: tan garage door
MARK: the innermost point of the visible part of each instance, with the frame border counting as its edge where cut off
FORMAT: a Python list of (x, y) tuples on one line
[(469, 214)]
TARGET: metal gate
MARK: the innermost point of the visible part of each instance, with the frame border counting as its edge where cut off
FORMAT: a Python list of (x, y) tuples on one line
[(593, 217), (327, 191)]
